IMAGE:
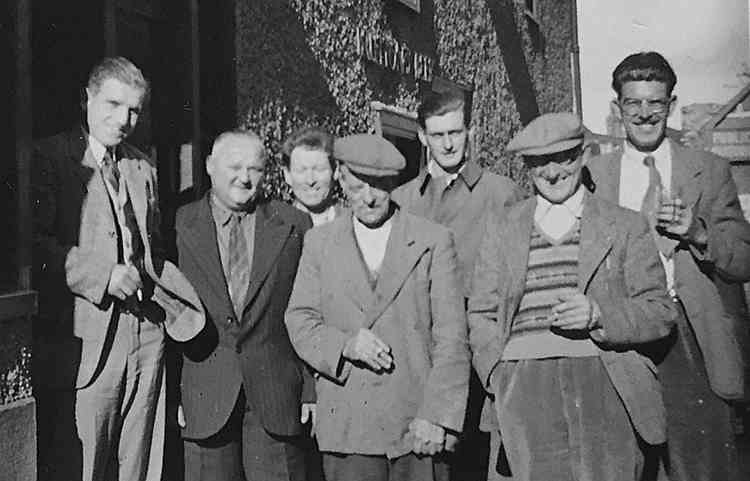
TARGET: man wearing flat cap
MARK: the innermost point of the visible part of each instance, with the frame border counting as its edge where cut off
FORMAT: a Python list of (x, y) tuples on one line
[(377, 310), (565, 289)]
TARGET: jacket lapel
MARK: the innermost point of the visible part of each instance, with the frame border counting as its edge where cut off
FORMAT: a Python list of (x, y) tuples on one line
[(596, 240), (352, 275), (686, 173), (517, 237), (605, 172), (271, 233), (402, 252), (204, 248)]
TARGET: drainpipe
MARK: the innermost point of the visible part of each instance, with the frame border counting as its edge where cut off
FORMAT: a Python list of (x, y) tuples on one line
[(575, 60)]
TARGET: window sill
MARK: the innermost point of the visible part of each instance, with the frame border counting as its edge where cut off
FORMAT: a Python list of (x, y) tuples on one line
[(17, 304)]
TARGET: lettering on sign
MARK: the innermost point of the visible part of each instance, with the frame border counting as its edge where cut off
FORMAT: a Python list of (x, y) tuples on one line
[(394, 55)]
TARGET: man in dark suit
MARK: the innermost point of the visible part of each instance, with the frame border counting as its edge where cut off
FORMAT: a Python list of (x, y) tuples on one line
[(691, 202), (241, 380), (106, 295), (455, 191)]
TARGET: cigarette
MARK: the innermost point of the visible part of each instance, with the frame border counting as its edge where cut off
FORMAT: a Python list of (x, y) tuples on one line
[(139, 294)]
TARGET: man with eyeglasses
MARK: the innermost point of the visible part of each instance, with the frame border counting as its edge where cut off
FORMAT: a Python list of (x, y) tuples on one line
[(691, 202)]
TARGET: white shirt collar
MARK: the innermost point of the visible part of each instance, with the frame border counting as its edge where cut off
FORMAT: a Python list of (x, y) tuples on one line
[(661, 153), (435, 171), (97, 149), (574, 205)]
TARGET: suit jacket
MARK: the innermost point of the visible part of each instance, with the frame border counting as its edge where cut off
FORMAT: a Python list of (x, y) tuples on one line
[(254, 350), (705, 183), (477, 192), (75, 248), (416, 308), (618, 267)]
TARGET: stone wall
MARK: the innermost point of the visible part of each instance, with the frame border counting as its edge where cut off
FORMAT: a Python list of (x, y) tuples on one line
[(296, 65)]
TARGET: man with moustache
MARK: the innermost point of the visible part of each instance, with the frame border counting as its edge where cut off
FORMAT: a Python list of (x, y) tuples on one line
[(453, 190), (241, 380), (377, 311), (107, 297), (690, 200), (566, 288), (311, 171)]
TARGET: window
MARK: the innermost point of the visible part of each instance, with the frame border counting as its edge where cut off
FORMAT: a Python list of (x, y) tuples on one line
[(400, 128), (413, 4)]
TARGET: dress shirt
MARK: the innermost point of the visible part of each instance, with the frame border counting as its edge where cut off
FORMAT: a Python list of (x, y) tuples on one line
[(556, 220), (118, 198), (634, 183), (222, 217), (372, 242)]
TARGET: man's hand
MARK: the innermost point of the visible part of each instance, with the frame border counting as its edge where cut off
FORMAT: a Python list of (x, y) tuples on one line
[(366, 347), (574, 311), (676, 218), (124, 281), (307, 413), (428, 438)]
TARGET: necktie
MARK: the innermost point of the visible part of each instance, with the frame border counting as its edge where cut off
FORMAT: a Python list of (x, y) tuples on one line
[(239, 264), (111, 173), (651, 204)]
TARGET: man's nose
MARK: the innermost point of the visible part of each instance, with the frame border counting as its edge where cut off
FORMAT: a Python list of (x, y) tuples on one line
[(244, 176), (367, 196), (447, 142), (122, 116)]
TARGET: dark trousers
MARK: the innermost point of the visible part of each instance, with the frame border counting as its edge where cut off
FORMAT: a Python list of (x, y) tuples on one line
[(470, 461), (562, 420), (356, 467), (244, 451), (700, 433)]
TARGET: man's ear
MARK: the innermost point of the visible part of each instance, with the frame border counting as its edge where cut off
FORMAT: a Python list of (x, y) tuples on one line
[(287, 175), (422, 136), (614, 108), (210, 165), (672, 105), (586, 153)]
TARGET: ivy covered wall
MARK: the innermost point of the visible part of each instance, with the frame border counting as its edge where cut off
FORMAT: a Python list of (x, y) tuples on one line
[(296, 65)]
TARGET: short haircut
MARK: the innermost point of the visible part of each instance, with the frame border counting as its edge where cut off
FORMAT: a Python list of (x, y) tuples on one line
[(643, 66), (247, 134), (441, 103), (118, 68), (311, 138)]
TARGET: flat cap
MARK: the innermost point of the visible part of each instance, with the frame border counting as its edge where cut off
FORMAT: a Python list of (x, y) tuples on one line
[(369, 154), (548, 134)]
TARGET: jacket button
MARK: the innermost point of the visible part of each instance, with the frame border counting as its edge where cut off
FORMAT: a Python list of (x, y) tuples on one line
[(230, 320)]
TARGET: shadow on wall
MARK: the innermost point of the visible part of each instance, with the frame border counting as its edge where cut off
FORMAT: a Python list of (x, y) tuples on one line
[(511, 47)]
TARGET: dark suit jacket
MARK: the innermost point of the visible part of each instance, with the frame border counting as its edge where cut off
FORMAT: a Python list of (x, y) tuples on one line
[(253, 351), (618, 266), (416, 308), (705, 183), (75, 248)]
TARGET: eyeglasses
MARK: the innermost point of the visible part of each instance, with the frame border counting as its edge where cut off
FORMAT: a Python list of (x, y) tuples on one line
[(652, 106)]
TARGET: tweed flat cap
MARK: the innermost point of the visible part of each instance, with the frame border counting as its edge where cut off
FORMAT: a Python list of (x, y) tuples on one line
[(548, 134), (369, 155)]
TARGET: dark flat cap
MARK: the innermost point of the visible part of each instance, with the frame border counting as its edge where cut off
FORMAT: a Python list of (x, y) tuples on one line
[(548, 134), (369, 154)]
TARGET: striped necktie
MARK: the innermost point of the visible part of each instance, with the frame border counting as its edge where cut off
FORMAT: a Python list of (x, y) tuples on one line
[(239, 264)]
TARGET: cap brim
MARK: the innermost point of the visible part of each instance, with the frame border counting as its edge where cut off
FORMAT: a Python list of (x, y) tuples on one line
[(371, 171), (561, 146)]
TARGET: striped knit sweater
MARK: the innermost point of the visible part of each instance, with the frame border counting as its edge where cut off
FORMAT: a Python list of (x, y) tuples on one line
[(552, 271)]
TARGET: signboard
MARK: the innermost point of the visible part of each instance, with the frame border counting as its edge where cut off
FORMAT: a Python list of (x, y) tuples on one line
[(394, 55)]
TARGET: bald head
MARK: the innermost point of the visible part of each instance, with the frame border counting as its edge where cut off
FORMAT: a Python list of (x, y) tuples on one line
[(236, 167)]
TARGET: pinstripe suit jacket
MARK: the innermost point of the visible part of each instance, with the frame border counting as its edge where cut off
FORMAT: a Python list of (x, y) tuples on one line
[(254, 350)]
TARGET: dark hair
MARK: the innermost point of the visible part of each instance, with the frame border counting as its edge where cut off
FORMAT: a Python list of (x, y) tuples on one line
[(121, 69), (312, 138), (440, 103), (643, 66)]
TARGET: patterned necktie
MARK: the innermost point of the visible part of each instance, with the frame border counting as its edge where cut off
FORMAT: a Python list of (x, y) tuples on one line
[(111, 173), (238, 265), (651, 204)]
